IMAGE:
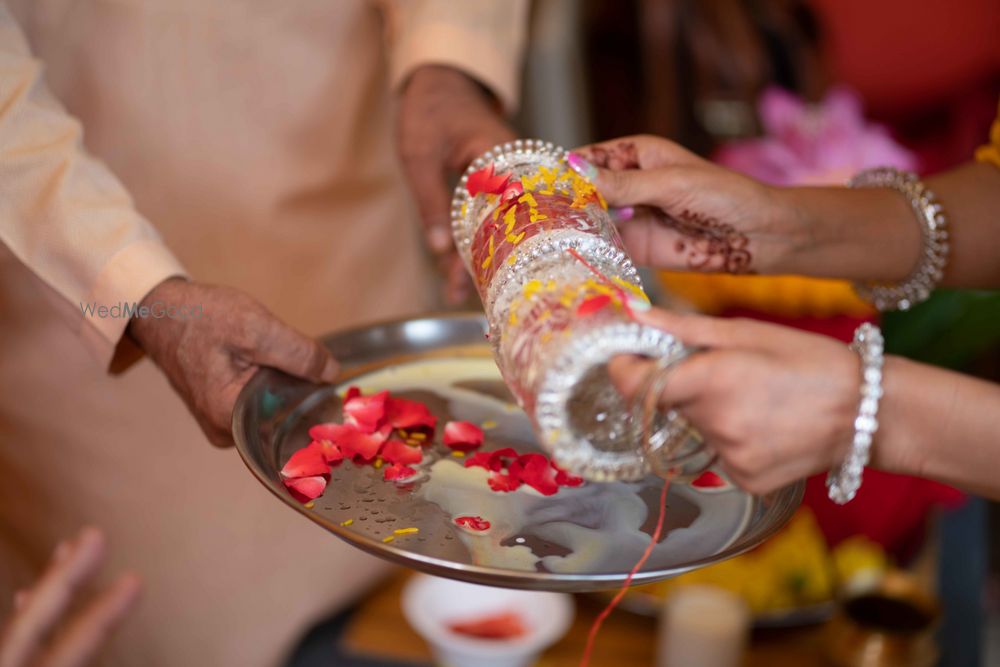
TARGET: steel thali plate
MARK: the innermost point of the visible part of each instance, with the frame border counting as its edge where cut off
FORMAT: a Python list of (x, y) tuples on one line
[(581, 539)]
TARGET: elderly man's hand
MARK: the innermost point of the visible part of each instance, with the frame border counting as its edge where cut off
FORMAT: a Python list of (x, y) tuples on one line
[(209, 341), (445, 121)]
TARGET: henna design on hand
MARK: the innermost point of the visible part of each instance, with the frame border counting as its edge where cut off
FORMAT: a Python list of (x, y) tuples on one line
[(623, 155), (709, 241)]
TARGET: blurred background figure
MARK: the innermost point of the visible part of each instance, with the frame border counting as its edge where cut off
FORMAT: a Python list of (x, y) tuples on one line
[(55, 623)]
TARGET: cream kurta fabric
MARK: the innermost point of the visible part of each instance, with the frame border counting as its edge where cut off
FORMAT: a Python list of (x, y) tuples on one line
[(256, 137)]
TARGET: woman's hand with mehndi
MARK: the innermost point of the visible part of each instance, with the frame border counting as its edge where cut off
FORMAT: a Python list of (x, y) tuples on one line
[(681, 212)]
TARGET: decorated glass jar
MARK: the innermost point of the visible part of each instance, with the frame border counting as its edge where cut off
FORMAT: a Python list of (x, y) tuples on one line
[(560, 295)]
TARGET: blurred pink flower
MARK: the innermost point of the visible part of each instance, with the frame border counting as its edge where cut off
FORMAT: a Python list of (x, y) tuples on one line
[(820, 144)]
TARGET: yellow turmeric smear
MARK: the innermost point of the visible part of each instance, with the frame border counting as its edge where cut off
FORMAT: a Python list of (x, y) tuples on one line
[(549, 175), (528, 199), (487, 425), (532, 287), (511, 259), (418, 436), (457, 454), (309, 505), (530, 182), (347, 522), (388, 539), (378, 463), (489, 259), (514, 240), (510, 217), (634, 289), (406, 531)]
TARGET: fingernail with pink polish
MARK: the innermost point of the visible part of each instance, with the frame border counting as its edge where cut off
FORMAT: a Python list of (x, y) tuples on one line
[(622, 214), (582, 166)]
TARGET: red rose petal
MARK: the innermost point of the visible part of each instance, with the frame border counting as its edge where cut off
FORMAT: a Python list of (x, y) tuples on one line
[(304, 489), (476, 523), (407, 414), (325, 431), (564, 478), (396, 472), (357, 444), (366, 412), (592, 305), (513, 190), (486, 181), (306, 462), (709, 480), (502, 482), (481, 460), (505, 453), (535, 471), (491, 460), (397, 451), (463, 436), (331, 452), (352, 392), (351, 440)]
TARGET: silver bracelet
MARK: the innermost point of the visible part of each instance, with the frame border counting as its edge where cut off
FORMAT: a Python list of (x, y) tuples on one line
[(933, 223), (842, 484)]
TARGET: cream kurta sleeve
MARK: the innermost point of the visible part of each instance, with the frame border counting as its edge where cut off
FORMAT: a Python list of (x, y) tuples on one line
[(483, 38), (63, 213)]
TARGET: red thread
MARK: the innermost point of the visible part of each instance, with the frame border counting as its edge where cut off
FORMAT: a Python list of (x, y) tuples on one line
[(589, 266), (622, 297), (653, 541)]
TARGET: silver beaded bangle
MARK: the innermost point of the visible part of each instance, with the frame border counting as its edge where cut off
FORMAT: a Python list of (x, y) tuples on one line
[(934, 225), (842, 484)]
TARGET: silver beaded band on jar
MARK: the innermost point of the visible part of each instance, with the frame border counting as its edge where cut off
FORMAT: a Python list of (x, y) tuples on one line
[(934, 255), (842, 484)]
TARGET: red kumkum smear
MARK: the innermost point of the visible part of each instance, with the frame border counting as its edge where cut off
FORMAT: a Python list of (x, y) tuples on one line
[(505, 625), (595, 628)]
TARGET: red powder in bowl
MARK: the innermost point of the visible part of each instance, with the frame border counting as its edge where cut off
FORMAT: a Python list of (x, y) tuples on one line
[(505, 625)]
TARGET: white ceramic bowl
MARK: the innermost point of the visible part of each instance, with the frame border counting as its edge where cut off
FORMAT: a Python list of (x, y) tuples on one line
[(430, 604)]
